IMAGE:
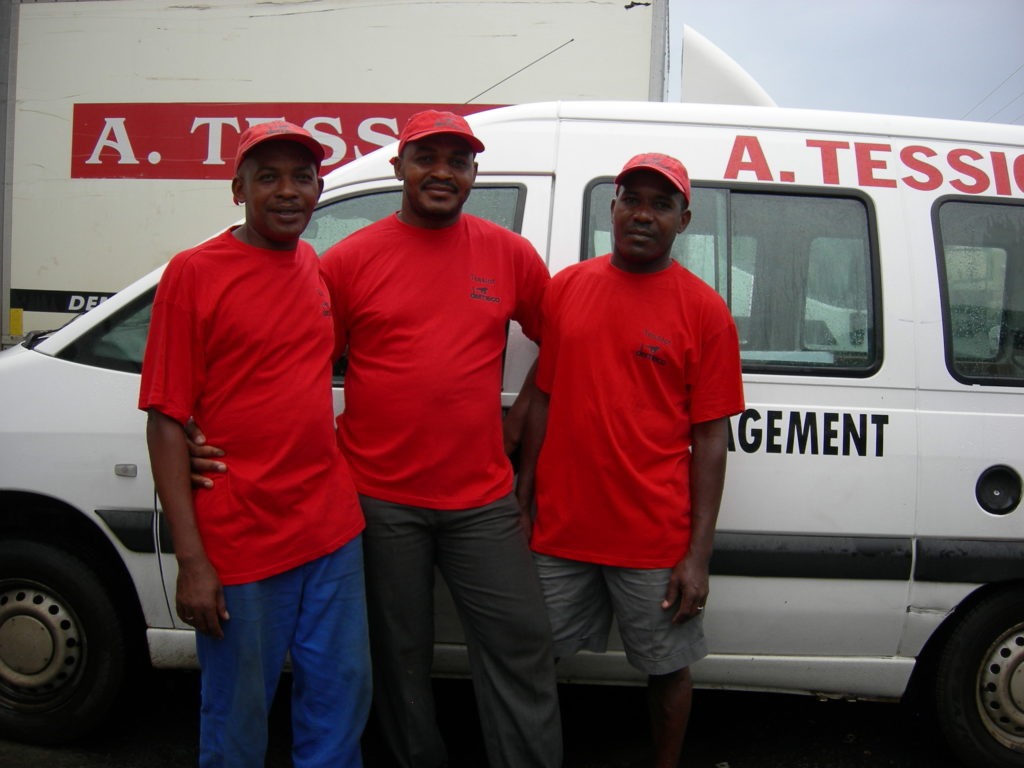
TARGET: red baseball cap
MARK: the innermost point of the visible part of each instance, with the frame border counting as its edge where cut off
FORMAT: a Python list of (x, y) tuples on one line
[(430, 122), (667, 166), (277, 130)]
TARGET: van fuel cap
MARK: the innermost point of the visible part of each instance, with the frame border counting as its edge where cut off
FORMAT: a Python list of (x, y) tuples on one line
[(998, 489)]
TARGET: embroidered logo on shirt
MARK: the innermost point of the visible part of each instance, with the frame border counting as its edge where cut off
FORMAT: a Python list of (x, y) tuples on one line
[(650, 352), (653, 352), (481, 288)]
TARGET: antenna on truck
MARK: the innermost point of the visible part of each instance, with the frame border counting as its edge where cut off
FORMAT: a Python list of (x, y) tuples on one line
[(521, 69)]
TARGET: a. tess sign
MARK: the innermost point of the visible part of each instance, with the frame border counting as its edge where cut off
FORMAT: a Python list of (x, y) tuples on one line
[(198, 140)]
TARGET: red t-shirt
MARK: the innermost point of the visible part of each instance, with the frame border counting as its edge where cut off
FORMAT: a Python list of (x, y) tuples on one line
[(630, 362), (425, 313), (241, 339)]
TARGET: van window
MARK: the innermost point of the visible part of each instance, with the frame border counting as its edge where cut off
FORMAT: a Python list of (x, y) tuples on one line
[(120, 341), (981, 272), (117, 343), (798, 272), (336, 220)]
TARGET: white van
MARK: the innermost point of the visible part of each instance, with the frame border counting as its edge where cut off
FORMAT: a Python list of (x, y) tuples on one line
[(870, 542)]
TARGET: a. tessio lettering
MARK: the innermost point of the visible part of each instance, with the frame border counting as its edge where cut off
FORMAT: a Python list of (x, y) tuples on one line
[(880, 164)]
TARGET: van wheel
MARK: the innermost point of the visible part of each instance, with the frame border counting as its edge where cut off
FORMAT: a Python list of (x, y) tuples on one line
[(62, 645), (980, 683)]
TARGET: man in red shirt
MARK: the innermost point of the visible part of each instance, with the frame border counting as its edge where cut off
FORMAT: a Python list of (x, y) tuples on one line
[(269, 560), (639, 370), (423, 299)]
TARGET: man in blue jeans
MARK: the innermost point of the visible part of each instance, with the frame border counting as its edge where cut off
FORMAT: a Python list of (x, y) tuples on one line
[(269, 561)]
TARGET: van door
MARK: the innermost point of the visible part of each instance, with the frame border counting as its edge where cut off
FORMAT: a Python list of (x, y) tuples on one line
[(969, 553), (972, 417)]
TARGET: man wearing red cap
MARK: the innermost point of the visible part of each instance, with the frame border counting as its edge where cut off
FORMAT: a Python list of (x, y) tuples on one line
[(629, 476), (422, 302), (270, 559)]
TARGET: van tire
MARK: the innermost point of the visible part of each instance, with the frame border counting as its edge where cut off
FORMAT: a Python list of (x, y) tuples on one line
[(63, 649), (975, 702)]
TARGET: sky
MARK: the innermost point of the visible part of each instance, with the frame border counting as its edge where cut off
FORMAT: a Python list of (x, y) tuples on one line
[(960, 59)]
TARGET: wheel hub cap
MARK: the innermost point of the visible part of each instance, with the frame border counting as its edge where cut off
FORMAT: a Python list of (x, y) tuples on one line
[(40, 647), (1001, 689)]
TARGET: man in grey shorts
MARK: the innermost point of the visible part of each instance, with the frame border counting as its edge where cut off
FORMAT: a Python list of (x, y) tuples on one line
[(639, 370)]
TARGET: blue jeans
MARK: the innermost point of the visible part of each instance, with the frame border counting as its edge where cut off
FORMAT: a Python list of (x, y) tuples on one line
[(484, 558), (317, 614)]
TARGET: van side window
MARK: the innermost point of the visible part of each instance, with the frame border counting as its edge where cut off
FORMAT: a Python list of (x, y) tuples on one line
[(981, 276), (798, 272), (120, 341), (336, 220), (333, 221)]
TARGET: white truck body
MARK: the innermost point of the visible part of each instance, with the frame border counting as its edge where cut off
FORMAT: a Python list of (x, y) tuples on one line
[(121, 113)]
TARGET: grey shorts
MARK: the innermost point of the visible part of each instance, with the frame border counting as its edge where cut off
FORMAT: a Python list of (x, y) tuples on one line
[(582, 597)]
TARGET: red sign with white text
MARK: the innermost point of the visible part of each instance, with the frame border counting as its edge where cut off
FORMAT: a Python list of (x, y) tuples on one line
[(198, 140)]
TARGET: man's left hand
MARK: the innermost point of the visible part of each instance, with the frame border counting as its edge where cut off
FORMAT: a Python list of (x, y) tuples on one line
[(687, 590)]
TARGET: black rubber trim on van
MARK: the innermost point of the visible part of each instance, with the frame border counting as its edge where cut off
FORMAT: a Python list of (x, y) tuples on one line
[(873, 558), (812, 557), (938, 560), (134, 529), (968, 561)]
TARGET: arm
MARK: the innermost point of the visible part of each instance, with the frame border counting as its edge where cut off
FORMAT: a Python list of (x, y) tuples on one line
[(533, 437), (199, 599), (532, 284), (514, 424), (689, 581)]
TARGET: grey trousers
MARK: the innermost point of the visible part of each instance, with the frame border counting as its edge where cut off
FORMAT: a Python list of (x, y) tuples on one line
[(485, 560)]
